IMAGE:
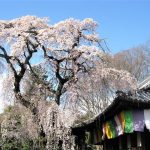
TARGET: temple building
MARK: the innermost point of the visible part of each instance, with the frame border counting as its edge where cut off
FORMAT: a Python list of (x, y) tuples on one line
[(123, 125)]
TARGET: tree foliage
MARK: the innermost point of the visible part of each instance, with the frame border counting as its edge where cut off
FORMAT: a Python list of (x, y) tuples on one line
[(71, 59), (135, 60)]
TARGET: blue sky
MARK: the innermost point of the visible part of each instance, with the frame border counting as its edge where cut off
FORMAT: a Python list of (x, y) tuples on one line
[(123, 23)]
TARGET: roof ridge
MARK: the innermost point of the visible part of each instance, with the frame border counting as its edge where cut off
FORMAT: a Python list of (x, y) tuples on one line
[(144, 84)]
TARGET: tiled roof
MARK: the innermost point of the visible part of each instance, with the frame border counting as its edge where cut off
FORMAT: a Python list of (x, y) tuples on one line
[(144, 84), (143, 95)]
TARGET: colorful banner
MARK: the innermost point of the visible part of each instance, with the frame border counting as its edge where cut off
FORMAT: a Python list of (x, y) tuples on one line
[(110, 129), (104, 131), (138, 120), (128, 115), (120, 123), (126, 121), (147, 118)]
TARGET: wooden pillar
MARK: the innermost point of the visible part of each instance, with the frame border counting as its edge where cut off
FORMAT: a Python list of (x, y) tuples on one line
[(139, 141), (104, 146), (120, 144), (128, 142)]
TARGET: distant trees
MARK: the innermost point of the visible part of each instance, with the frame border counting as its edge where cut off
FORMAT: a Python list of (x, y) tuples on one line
[(135, 60)]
